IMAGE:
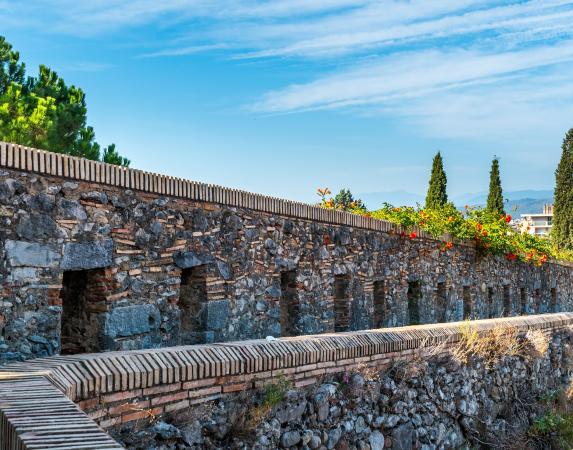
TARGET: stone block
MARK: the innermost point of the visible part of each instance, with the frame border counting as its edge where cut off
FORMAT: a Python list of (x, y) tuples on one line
[(191, 259), (87, 255), (217, 314), (31, 254), (131, 320)]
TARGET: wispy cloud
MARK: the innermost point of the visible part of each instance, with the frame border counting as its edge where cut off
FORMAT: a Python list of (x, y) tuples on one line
[(430, 62), (184, 51)]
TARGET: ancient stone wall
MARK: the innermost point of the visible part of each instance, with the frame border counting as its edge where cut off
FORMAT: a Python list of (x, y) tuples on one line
[(95, 257), (41, 400)]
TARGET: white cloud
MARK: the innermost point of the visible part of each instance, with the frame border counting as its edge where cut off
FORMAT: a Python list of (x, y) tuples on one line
[(408, 75), (443, 65)]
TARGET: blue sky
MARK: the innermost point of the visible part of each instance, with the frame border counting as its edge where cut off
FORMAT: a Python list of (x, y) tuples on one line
[(281, 97)]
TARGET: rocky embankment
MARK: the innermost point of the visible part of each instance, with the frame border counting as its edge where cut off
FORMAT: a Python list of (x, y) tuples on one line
[(438, 403)]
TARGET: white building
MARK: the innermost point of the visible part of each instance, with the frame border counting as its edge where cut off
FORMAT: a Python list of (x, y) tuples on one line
[(537, 224)]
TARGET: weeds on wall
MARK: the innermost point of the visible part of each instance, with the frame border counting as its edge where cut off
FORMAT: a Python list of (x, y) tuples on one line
[(490, 346), (273, 394)]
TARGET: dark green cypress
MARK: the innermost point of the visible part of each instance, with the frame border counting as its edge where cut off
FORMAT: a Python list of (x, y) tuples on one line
[(495, 196), (437, 196), (562, 229)]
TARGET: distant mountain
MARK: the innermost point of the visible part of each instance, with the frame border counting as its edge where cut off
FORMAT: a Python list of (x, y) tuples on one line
[(518, 202)]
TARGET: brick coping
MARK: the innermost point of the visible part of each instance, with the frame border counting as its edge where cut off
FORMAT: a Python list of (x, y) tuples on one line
[(50, 386)]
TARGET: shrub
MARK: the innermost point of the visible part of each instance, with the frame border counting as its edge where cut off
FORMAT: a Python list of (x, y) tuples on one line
[(490, 231)]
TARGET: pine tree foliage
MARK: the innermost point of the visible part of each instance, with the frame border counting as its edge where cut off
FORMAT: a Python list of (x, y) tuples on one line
[(437, 196), (562, 229), (46, 113), (495, 195)]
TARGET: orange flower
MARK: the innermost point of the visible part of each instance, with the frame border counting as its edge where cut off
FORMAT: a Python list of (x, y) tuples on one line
[(449, 245), (511, 256), (450, 219), (529, 256)]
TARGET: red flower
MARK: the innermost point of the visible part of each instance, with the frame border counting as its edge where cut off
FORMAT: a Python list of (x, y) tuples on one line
[(511, 256), (478, 226), (413, 235), (403, 234), (507, 218), (449, 245)]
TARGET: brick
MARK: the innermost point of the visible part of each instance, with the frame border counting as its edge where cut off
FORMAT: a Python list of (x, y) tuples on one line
[(169, 398), (97, 414), (305, 382), (128, 407), (146, 414), (199, 383), (323, 365), (305, 368), (109, 422), (344, 362), (203, 392), (176, 406), (161, 389), (200, 400), (118, 396), (89, 403), (234, 387)]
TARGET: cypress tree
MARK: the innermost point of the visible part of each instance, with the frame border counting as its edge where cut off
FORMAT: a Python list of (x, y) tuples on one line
[(437, 196), (562, 229), (495, 196)]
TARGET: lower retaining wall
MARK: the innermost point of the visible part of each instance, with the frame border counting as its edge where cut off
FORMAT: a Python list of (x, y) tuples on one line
[(41, 401)]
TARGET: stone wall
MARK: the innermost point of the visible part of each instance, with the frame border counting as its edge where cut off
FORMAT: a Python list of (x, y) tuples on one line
[(430, 403), (119, 259), (123, 392)]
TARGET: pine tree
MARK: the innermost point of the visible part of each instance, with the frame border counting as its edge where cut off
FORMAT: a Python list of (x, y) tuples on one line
[(562, 229), (495, 196), (45, 112), (437, 196)]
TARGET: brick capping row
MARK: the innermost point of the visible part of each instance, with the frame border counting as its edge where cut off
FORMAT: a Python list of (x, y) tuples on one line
[(81, 169), (37, 408)]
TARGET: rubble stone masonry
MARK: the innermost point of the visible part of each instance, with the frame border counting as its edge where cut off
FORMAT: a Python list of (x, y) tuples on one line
[(96, 257)]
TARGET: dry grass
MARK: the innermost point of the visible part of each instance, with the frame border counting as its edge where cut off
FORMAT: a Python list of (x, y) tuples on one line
[(538, 343), (491, 346), (369, 373)]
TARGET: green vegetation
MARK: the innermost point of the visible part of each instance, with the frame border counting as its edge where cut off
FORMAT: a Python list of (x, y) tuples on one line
[(273, 394), (437, 196), (562, 230), (554, 428), (46, 113), (495, 195), (488, 227), (343, 201)]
